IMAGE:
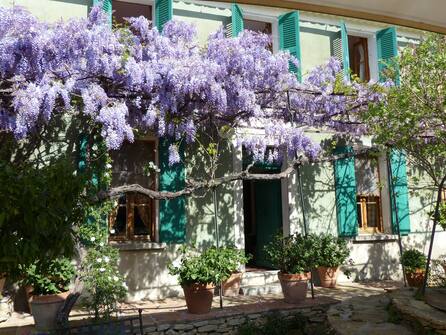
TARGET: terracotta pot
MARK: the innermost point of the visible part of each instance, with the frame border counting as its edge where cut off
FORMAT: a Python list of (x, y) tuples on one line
[(294, 286), (416, 278), (444, 267), (199, 297), (231, 286), (328, 276), (44, 309)]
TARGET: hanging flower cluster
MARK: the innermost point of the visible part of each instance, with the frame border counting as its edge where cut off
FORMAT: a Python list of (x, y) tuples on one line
[(138, 78)]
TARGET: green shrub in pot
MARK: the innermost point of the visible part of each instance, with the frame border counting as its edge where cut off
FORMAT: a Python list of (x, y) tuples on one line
[(332, 252), (414, 263), (198, 273), (295, 257)]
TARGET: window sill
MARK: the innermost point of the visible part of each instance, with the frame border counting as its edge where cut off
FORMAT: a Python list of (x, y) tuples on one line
[(367, 238), (137, 245)]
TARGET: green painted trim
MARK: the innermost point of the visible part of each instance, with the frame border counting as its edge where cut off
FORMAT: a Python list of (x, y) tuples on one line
[(106, 6), (172, 213), (289, 36), (163, 13), (398, 185), (387, 51), (345, 51), (236, 20), (345, 190)]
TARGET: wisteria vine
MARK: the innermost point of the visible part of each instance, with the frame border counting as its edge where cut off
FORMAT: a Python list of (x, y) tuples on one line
[(138, 79)]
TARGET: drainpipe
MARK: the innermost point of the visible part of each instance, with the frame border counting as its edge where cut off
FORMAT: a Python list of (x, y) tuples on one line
[(304, 218), (217, 235)]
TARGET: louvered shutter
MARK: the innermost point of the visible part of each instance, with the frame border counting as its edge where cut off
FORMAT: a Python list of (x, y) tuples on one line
[(340, 49), (345, 190), (399, 193), (163, 13), (172, 213), (387, 49), (290, 38), (236, 20), (106, 6)]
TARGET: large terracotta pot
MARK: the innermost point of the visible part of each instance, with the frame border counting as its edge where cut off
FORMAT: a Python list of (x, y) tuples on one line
[(294, 286), (416, 278), (199, 297), (231, 286), (44, 309), (328, 276)]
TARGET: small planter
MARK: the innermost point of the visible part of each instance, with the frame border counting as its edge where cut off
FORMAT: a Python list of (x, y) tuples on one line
[(231, 286), (328, 276), (415, 278), (44, 309), (294, 286), (198, 297)]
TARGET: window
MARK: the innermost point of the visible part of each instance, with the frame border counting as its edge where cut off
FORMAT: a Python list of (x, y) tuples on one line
[(134, 216), (259, 26), (122, 9), (368, 194), (359, 57)]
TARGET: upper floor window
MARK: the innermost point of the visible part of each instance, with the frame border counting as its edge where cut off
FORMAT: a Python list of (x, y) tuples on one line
[(259, 26), (122, 9), (368, 194), (134, 216), (359, 57)]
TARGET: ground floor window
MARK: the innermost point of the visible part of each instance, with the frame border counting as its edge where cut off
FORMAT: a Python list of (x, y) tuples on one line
[(368, 194), (134, 217)]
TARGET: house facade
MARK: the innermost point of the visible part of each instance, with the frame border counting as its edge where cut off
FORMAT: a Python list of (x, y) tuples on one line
[(365, 199)]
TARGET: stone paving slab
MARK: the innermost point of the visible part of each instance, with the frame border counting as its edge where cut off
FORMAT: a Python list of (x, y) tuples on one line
[(418, 311)]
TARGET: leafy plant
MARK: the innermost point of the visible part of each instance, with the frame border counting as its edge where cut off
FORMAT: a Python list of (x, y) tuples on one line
[(49, 277), (214, 265), (100, 273), (332, 251), (412, 260), (293, 254)]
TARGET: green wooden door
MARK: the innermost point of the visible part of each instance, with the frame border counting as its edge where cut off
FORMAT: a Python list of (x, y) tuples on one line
[(268, 216)]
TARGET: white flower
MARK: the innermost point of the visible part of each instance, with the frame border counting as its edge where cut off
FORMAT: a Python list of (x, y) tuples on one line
[(106, 259), (112, 231), (101, 244), (108, 166), (101, 269), (99, 260), (115, 278), (106, 174), (92, 239)]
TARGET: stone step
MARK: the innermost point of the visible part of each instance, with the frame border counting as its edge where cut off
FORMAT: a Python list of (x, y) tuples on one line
[(253, 290)]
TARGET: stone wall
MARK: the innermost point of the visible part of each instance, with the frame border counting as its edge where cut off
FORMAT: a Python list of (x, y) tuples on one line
[(314, 318)]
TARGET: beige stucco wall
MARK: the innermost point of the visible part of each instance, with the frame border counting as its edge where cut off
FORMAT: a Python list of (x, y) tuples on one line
[(52, 10)]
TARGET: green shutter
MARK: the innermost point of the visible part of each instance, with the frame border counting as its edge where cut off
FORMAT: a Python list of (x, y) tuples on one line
[(172, 213), (345, 52), (340, 49), (399, 193), (345, 190), (289, 38), (163, 13), (387, 49), (106, 6), (236, 20)]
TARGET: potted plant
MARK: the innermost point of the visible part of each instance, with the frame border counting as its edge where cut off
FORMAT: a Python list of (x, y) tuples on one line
[(294, 256), (233, 260), (49, 281), (332, 252), (414, 263), (198, 274)]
